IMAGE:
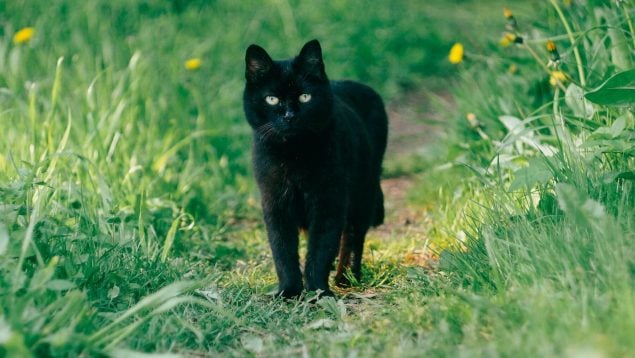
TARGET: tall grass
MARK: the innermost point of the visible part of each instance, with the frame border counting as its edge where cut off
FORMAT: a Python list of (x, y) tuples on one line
[(126, 199), (547, 266), (128, 217)]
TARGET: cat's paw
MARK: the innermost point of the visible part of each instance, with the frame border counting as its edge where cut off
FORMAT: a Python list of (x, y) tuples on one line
[(317, 295), (342, 281), (290, 292)]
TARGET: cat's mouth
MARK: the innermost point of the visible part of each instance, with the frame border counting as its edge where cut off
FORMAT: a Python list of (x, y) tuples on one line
[(277, 133), (285, 134)]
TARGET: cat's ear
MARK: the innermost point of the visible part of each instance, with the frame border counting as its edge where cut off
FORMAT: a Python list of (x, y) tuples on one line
[(311, 52), (310, 58), (258, 63)]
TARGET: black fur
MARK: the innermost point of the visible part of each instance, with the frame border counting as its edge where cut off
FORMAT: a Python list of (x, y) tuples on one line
[(317, 164)]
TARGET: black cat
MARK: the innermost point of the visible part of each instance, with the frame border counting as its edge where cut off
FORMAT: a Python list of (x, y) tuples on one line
[(317, 151)]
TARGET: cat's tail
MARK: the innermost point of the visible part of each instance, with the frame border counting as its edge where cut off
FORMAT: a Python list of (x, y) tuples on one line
[(379, 208)]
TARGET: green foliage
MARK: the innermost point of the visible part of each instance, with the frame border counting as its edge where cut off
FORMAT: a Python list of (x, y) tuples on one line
[(549, 241), (619, 90), (127, 208), (129, 221)]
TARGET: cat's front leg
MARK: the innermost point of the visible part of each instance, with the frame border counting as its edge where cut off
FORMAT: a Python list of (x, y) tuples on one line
[(325, 230), (283, 239)]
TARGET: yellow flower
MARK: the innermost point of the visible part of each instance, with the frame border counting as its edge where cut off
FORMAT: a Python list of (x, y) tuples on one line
[(554, 56), (23, 35), (456, 53), (511, 25), (193, 64), (557, 77), (512, 69), (507, 13), (509, 39)]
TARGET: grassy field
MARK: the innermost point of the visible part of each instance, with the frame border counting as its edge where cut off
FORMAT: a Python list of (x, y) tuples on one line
[(130, 222)]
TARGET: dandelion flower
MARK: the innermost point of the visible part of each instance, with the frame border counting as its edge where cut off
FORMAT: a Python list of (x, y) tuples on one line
[(557, 77), (456, 53), (509, 39), (511, 25), (193, 64), (507, 13), (554, 59), (23, 35)]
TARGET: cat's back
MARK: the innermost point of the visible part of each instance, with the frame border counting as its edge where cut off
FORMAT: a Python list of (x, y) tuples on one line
[(368, 105)]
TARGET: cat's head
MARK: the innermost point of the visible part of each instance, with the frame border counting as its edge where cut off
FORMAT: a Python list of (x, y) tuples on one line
[(287, 99)]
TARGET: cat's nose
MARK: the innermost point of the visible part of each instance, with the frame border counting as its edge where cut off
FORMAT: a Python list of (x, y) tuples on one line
[(288, 115)]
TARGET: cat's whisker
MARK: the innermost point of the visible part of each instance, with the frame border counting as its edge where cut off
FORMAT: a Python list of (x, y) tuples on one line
[(263, 127), (266, 131), (265, 135)]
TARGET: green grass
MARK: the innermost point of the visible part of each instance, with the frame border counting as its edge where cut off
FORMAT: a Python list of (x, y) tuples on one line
[(129, 219)]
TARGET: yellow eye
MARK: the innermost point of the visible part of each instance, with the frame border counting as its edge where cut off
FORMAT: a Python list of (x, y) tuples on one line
[(304, 98), (272, 100)]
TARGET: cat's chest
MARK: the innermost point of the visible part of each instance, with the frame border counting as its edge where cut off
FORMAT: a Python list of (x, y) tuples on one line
[(303, 169), (304, 174)]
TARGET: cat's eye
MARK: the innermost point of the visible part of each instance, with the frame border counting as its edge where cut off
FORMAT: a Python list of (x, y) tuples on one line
[(272, 100), (304, 98)]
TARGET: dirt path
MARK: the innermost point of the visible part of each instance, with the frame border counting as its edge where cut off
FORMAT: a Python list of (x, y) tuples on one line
[(410, 123), (408, 134)]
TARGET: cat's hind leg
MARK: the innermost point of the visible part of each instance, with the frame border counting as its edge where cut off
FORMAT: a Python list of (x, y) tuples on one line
[(344, 260), (358, 249), (351, 250)]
